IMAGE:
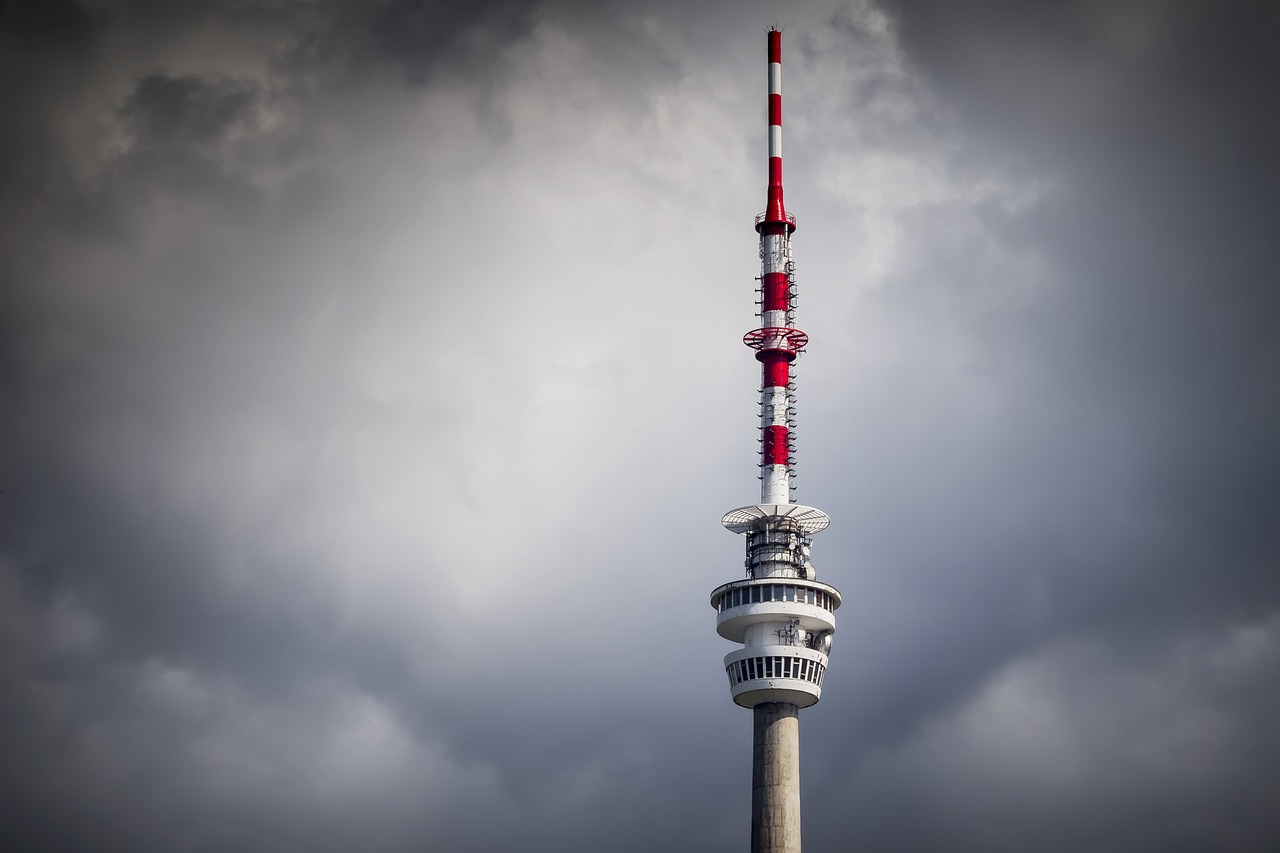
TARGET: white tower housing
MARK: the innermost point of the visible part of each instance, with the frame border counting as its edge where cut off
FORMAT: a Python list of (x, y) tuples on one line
[(781, 615)]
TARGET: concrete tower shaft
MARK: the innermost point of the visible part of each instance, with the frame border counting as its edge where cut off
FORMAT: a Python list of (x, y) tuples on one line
[(775, 778)]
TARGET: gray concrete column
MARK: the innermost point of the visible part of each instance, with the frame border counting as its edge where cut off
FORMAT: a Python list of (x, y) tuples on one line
[(775, 779)]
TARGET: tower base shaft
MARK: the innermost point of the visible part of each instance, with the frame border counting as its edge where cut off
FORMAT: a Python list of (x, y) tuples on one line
[(775, 779)]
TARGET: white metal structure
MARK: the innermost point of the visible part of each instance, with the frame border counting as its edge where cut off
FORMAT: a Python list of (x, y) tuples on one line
[(781, 615)]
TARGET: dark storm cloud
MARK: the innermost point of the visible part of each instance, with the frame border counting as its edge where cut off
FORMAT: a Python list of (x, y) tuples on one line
[(408, 34), (1128, 488), (264, 583), (1156, 344), (164, 639)]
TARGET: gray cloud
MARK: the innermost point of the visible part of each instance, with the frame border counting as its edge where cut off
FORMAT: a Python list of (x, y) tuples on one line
[(374, 394)]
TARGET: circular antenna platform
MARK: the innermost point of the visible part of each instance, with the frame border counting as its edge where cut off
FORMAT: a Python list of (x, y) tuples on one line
[(762, 219), (747, 518), (778, 339)]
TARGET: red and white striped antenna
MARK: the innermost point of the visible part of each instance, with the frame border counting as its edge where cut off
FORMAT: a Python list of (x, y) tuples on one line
[(777, 342)]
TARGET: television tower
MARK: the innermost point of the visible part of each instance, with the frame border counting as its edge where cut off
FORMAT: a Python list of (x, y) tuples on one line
[(783, 617)]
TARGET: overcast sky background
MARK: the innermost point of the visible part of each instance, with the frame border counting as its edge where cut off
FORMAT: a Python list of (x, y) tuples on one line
[(372, 389)]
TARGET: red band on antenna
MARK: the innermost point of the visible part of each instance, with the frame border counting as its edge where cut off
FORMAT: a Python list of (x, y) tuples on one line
[(774, 287), (775, 446), (774, 371)]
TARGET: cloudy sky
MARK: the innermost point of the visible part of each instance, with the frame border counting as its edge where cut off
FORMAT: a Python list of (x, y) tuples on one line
[(372, 390)]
